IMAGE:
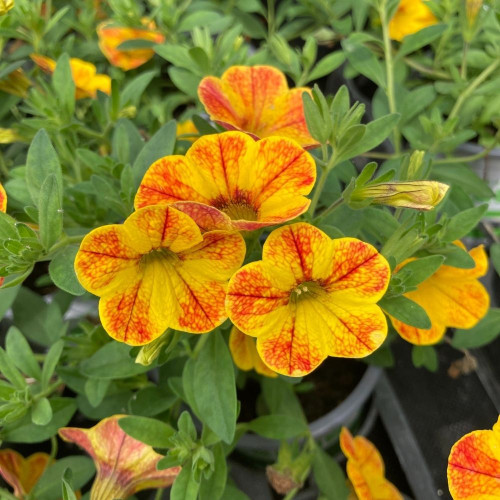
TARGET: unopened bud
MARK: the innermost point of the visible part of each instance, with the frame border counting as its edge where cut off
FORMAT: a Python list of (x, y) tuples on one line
[(16, 83), (415, 166), (472, 8), (9, 135), (128, 112), (151, 351), (5, 6)]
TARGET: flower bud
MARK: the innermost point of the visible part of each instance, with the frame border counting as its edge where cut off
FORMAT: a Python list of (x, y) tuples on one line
[(151, 351), (16, 83), (472, 8), (5, 6), (8, 136), (419, 195)]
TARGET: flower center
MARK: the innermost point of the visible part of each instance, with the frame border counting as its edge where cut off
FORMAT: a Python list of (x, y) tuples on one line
[(306, 290), (238, 207), (159, 254)]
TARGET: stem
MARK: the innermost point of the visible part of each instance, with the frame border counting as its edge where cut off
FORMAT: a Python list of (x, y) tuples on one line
[(270, 17), (159, 494), (426, 70), (463, 68), (472, 87), (53, 447), (331, 208), (67, 240), (465, 159), (318, 190), (381, 156)]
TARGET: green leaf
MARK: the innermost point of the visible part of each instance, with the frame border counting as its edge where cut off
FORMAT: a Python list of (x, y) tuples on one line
[(64, 86), (160, 145), (62, 271), (464, 222), (41, 412), (8, 227), (487, 330), (152, 401), (457, 257), (185, 80), (381, 357), (7, 298), (463, 176), (277, 426), (495, 256), (185, 487), (314, 119), (50, 363), (364, 61), (215, 387), (329, 477), (50, 217), (233, 493), (148, 430), (326, 65), (132, 93), (20, 353), (95, 390), (67, 489), (42, 161), (406, 310), (197, 18), (419, 270), (420, 39), (426, 356), (49, 485), (10, 372), (213, 488)]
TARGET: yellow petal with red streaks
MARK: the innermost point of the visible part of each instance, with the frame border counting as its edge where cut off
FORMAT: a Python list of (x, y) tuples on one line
[(358, 271), (124, 465), (207, 218), (3, 199), (212, 95), (104, 255), (22, 473), (474, 466), (480, 269), (419, 336)]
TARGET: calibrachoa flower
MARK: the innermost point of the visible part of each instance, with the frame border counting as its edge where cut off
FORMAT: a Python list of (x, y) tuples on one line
[(87, 81), (112, 36), (245, 355), (231, 181), (365, 469), (156, 270), (22, 473), (451, 297), (310, 297), (5, 6), (124, 465), (257, 100), (410, 17), (474, 466)]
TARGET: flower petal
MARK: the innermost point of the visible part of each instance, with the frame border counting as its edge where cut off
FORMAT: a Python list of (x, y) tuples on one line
[(420, 336), (3, 199), (481, 268), (474, 466), (207, 218)]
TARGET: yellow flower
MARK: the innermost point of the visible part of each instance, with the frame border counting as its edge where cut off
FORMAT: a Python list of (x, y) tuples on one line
[(185, 128), (5, 6), (15, 83), (451, 297), (474, 466), (366, 469), (87, 80), (310, 297), (8, 136), (155, 271), (245, 355), (410, 17), (124, 465)]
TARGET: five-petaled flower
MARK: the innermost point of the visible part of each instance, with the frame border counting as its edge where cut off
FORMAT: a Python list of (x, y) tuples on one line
[(256, 100), (22, 473), (451, 297), (156, 270), (229, 180), (245, 355), (112, 36), (365, 469), (411, 16), (87, 80), (310, 297), (124, 465)]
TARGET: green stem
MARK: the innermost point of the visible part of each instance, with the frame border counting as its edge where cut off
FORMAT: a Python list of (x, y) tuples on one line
[(159, 494), (331, 208), (53, 447), (381, 156), (465, 159), (318, 190), (472, 87), (463, 67), (426, 70), (67, 240), (50, 389), (270, 17)]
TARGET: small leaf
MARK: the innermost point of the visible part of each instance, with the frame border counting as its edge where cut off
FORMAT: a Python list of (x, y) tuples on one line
[(10, 372), (41, 412), (495, 256), (326, 65), (64, 86), (50, 217), (420, 39), (406, 310), (148, 430), (419, 270), (95, 390), (329, 477), (487, 330), (462, 223), (213, 488), (50, 363), (185, 486), (426, 356), (62, 271), (277, 426), (19, 351)]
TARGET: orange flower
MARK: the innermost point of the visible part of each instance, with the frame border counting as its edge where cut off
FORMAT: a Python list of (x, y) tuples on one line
[(365, 469), (124, 465), (245, 355), (187, 127), (22, 473), (230, 181), (112, 36), (451, 297), (310, 297), (87, 81), (155, 271), (256, 100), (410, 17)]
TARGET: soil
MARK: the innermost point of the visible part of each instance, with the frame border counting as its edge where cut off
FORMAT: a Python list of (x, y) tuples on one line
[(332, 382)]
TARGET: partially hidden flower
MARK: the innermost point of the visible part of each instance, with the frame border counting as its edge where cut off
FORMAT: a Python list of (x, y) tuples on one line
[(15, 83), (156, 270), (411, 16), (5, 6), (187, 128), (366, 469), (229, 180), (256, 100), (451, 297), (419, 195), (9, 135), (472, 9), (310, 297), (474, 466), (87, 80), (124, 465), (112, 36), (245, 355), (22, 473)]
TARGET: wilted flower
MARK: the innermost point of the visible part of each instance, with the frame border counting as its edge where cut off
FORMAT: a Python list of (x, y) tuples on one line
[(410, 17), (310, 297), (156, 270), (5, 6), (451, 297), (419, 195), (231, 181), (124, 465), (15, 83), (245, 355), (257, 100), (365, 469), (22, 473), (112, 36), (87, 81), (474, 465)]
